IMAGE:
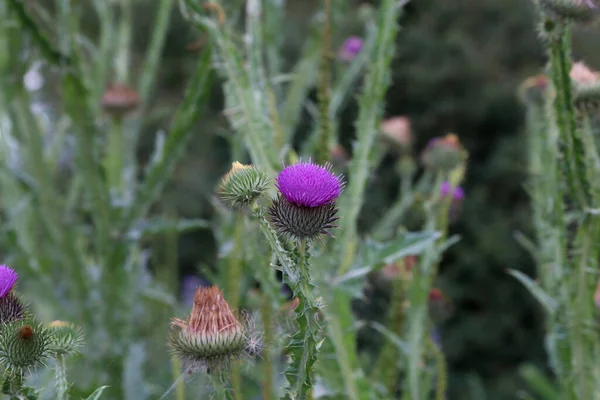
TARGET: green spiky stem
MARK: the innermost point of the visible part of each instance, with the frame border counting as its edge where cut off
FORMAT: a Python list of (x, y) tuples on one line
[(303, 348), (441, 371), (62, 386), (115, 156), (267, 316), (219, 381), (565, 114), (325, 90)]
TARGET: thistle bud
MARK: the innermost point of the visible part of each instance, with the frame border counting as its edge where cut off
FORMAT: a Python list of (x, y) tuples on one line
[(243, 184), (119, 99), (212, 336), (24, 345), (534, 89), (439, 305), (397, 131), (11, 308), (67, 338), (444, 153), (305, 208), (575, 10), (586, 87), (350, 49)]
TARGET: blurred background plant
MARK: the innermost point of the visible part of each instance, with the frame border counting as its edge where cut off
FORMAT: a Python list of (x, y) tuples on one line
[(119, 118)]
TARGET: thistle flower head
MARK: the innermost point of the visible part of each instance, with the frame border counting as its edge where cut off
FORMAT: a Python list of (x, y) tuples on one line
[(307, 184), (24, 345), (586, 87), (243, 184), (397, 130), (444, 153), (119, 99), (8, 278), (212, 336), (350, 48), (576, 10), (67, 338), (457, 193)]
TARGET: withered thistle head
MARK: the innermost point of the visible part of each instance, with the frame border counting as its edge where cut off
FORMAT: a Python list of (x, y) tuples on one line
[(212, 336), (24, 345), (243, 184), (305, 208)]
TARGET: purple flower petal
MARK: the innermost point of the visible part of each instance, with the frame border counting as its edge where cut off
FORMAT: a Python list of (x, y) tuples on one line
[(445, 188), (309, 184), (8, 278), (351, 48), (458, 194)]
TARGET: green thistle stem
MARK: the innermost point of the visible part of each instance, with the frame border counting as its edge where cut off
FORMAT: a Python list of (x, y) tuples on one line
[(115, 161), (267, 316), (304, 343), (441, 371), (325, 90), (219, 381), (62, 386)]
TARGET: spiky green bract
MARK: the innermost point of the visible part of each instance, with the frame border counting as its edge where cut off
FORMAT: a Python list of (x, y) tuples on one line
[(212, 336), (24, 345), (576, 10), (587, 97), (298, 222), (11, 309), (243, 184), (66, 339)]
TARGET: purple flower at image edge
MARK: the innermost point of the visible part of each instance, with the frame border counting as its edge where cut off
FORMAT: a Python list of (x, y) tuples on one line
[(309, 185), (8, 278), (351, 48)]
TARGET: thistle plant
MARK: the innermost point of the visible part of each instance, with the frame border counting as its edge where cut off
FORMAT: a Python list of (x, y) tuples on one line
[(563, 165)]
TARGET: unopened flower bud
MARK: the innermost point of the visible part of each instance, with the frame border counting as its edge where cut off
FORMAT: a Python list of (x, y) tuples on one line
[(586, 87), (534, 89), (576, 10), (243, 184), (445, 153), (67, 338), (350, 48), (305, 208), (212, 336), (397, 131), (120, 99), (439, 305), (24, 345)]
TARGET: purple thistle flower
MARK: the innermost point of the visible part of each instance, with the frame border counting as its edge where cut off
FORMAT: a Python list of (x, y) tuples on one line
[(8, 278), (309, 185), (351, 48), (446, 188)]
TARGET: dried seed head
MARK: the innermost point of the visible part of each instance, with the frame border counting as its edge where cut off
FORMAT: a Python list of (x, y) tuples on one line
[(67, 338), (120, 99), (575, 10), (24, 345), (212, 336), (243, 184)]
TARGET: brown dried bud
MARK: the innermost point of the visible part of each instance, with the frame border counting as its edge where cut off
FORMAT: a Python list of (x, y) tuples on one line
[(212, 335), (398, 131), (120, 99)]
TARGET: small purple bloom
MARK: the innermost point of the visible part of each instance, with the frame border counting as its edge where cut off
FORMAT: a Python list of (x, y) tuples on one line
[(446, 188), (8, 278), (351, 48), (309, 185)]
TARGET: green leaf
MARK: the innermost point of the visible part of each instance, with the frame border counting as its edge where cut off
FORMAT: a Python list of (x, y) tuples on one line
[(379, 254), (545, 300), (97, 393), (539, 383)]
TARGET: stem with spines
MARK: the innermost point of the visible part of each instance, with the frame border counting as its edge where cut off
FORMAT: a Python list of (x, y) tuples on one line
[(304, 343)]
